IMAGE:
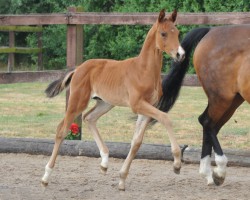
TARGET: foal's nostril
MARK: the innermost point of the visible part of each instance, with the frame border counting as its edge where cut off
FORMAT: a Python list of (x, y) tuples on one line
[(178, 55)]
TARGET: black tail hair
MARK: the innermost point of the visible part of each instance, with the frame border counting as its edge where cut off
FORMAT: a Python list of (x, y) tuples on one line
[(59, 85), (172, 82)]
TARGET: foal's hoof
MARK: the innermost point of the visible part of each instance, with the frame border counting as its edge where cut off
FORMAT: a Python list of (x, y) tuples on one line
[(177, 170), (45, 184), (218, 180), (121, 186), (104, 170)]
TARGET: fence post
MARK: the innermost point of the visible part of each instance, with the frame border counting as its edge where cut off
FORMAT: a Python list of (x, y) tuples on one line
[(40, 54), (74, 52), (11, 57)]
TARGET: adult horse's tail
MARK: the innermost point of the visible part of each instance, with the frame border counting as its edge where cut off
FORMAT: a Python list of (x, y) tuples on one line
[(59, 85), (171, 84)]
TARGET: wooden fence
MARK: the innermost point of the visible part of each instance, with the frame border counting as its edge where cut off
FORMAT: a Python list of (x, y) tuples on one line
[(12, 49), (74, 19)]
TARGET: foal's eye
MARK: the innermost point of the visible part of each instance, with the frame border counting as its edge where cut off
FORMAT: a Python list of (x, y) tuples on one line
[(164, 34)]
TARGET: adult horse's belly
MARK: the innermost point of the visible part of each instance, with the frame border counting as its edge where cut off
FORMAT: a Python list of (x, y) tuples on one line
[(218, 59)]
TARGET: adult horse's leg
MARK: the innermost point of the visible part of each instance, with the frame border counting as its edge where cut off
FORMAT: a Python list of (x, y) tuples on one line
[(205, 162), (77, 103), (141, 124), (91, 118), (213, 118), (209, 140)]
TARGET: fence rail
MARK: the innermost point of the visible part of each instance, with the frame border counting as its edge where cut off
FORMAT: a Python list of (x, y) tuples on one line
[(25, 77), (123, 18), (21, 28)]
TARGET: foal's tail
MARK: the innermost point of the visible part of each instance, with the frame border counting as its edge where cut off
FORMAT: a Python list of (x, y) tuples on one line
[(57, 86), (171, 84)]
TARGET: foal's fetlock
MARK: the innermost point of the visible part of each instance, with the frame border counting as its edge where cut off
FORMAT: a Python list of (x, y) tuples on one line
[(177, 167), (104, 163), (123, 177), (46, 175), (177, 162), (121, 185)]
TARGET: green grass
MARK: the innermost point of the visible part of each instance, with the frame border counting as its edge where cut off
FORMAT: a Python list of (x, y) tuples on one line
[(26, 112)]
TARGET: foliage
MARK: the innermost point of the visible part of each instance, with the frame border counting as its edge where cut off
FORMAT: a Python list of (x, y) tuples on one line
[(74, 133), (105, 41)]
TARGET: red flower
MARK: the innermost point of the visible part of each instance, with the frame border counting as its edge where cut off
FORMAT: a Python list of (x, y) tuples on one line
[(74, 129)]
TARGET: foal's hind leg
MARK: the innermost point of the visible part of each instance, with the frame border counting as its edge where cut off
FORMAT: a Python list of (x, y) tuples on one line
[(77, 103), (91, 118), (213, 118)]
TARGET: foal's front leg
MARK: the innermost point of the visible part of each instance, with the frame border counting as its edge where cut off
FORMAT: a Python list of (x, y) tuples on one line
[(141, 124), (148, 110)]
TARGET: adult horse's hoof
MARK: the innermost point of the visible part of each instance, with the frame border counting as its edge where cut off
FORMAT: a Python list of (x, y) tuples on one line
[(177, 170), (218, 180), (104, 170)]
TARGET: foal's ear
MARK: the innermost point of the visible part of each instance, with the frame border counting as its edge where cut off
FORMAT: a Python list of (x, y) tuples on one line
[(173, 16), (161, 16)]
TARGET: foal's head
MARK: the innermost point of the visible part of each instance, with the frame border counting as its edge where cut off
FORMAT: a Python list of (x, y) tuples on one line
[(167, 36)]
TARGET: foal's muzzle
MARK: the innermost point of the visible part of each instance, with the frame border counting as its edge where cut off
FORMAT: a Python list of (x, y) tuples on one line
[(180, 55)]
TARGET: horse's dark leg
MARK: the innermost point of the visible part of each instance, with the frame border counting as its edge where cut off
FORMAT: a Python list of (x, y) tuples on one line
[(205, 162), (211, 127), (219, 172)]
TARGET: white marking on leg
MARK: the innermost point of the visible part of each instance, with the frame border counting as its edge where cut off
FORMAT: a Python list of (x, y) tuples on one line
[(105, 159), (221, 162), (47, 174), (205, 169)]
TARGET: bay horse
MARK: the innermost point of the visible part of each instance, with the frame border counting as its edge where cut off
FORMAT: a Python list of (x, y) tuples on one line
[(222, 63), (134, 83)]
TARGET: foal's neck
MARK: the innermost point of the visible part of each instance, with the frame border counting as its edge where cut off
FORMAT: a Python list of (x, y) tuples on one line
[(150, 55)]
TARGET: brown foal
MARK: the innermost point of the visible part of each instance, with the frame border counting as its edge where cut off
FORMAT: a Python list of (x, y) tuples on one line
[(134, 83)]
